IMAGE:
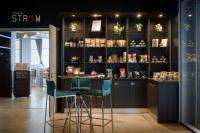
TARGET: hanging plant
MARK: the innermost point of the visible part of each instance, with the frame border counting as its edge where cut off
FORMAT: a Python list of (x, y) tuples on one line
[(186, 27), (73, 26), (118, 29), (158, 27), (139, 26)]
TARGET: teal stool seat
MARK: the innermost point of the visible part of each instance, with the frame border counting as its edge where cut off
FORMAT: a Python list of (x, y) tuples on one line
[(53, 92), (81, 85), (62, 93), (104, 91)]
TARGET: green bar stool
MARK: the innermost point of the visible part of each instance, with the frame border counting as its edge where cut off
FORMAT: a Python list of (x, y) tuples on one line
[(54, 93), (104, 91)]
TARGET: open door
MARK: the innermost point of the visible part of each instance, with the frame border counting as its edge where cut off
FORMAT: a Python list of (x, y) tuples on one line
[(53, 53), (52, 60)]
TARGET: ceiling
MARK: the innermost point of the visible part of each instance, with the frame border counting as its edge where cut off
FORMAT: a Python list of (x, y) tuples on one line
[(32, 34)]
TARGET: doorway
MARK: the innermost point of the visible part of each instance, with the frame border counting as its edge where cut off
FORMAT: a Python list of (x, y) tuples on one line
[(29, 47)]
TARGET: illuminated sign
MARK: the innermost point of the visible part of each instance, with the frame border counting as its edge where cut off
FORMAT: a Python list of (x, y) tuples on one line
[(21, 17)]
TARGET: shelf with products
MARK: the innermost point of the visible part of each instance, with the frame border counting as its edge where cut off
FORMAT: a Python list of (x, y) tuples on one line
[(121, 38), (160, 44)]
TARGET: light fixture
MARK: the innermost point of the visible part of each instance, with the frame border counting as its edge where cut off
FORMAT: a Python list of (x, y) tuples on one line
[(160, 15), (139, 15), (96, 15), (116, 15), (189, 15), (73, 15), (25, 36)]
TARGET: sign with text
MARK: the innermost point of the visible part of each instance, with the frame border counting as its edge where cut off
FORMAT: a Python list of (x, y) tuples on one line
[(21, 17), (29, 19)]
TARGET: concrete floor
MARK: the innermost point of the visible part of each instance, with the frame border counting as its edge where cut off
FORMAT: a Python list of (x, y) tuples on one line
[(26, 115)]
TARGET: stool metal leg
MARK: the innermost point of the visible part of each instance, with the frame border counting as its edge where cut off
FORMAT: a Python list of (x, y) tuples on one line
[(102, 106), (76, 110), (111, 111), (67, 110), (54, 106), (90, 114), (45, 118)]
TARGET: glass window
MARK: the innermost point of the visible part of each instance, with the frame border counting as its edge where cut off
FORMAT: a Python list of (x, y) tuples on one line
[(18, 55), (34, 54), (35, 59), (45, 52)]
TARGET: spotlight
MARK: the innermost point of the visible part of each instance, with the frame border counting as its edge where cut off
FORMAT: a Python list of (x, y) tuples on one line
[(189, 15), (116, 15), (139, 15), (160, 15)]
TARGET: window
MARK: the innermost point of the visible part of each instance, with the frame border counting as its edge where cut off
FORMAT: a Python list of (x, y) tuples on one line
[(34, 53), (35, 59), (17, 56), (45, 52)]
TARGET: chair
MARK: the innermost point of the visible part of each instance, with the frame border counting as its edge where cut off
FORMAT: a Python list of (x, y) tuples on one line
[(104, 91), (54, 93)]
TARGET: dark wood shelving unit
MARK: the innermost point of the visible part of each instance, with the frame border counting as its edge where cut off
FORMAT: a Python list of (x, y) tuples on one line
[(135, 94)]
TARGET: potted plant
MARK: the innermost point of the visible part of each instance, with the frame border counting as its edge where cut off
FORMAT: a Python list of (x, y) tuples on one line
[(158, 27), (73, 26), (139, 26), (118, 28)]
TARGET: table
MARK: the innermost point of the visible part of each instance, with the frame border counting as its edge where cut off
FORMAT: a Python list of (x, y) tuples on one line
[(78, 77)]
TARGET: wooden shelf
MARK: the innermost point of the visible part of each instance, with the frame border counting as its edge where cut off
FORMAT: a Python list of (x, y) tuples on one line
[(96, 47), (159, 47), (116, 63), (137, 47), (159, 62), (159, 31), (131, 32), (138, 63), (95, 63), (74, 62), (114, 47), (74, 47)]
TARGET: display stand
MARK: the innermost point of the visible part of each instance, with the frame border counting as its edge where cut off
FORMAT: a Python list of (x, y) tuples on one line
[(21, 83)]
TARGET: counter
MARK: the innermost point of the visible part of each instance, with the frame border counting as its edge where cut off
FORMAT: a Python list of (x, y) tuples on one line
[(162, 100)]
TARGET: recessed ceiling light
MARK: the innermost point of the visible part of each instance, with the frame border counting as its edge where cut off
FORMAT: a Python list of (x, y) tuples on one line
[(189, 15), (139, 15), (73, 15), (160, 15), (116, 15)]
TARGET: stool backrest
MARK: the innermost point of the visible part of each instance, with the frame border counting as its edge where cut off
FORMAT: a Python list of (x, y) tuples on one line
[(50, 87), (106, 87), (82, 82)]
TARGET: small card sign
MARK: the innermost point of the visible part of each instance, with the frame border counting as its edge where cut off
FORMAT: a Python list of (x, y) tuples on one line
[(96, 25)]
